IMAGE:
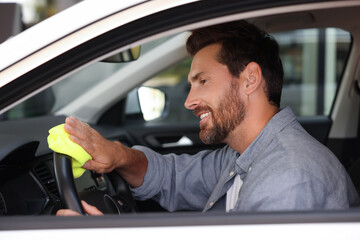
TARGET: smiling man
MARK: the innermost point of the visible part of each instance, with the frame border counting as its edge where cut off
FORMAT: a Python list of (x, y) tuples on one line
[(269, 162), (214, 96)]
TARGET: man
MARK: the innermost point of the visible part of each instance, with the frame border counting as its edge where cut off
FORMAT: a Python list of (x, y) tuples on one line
[(269, 162)]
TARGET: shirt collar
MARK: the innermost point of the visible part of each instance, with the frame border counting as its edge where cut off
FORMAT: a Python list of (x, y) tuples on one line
[(276, 124)]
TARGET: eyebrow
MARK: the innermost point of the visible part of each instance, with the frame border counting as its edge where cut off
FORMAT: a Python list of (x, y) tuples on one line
[(195, 77)]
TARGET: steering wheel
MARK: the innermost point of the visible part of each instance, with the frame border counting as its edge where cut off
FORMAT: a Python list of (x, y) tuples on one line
[(119, 200)]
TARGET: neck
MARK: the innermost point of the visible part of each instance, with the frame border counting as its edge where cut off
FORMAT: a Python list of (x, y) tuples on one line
[(253, 123)]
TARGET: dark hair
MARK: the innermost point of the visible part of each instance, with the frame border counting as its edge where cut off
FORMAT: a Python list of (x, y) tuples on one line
[(243, 43)]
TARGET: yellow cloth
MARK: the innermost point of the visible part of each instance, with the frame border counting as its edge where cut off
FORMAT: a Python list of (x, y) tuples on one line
[(59, 141)]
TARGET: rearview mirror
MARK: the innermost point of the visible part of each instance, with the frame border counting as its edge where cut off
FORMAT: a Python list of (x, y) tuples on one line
[(128, 55), (152, 102)]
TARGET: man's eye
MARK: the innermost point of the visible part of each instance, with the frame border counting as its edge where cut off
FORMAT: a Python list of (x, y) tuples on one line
[(202, 81)]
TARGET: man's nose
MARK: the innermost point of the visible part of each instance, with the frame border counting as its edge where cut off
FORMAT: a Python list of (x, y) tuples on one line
[(192, 101)]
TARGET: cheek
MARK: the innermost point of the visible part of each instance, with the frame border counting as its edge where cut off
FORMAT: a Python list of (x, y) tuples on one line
[(231, 101)]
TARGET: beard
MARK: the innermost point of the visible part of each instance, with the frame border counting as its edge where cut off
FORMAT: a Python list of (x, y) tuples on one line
[(225, 118)]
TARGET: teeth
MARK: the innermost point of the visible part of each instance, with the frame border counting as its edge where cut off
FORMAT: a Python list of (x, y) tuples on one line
[(204, 115)]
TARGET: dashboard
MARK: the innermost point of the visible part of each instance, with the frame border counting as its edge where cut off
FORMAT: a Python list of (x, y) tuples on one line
[(27, 183)]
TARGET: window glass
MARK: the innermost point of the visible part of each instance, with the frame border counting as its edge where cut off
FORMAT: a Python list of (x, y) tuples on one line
[(174, 83), (64, 92), (313, 61), (69, 89)]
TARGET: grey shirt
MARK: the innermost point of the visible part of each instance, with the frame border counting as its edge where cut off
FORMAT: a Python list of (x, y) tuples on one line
[(284, 168)]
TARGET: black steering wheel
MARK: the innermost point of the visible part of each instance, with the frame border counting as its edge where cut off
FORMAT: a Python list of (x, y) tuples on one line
[(118, 200)]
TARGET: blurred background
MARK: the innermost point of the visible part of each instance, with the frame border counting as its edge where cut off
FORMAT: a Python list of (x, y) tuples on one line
[(17, 15), (34, 11)]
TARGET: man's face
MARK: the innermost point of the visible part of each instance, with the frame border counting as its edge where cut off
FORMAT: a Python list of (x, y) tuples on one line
[(214, 96)]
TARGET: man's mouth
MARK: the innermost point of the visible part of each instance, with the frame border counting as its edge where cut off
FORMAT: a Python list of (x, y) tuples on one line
[(204, 115)]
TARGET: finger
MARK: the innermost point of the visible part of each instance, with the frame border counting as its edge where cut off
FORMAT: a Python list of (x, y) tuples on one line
[(77, 128), (71, 124), (67, 212), (91, 210), (81, 134)]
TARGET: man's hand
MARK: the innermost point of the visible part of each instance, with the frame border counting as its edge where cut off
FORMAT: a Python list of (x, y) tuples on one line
[(106, 155), (89, 209)]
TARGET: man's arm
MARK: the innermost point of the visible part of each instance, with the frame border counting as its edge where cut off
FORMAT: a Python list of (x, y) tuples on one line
[(106, 155), (177, 182)]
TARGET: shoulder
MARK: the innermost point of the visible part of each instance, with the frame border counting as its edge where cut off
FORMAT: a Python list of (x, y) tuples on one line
[(305, 173), (293, 147)]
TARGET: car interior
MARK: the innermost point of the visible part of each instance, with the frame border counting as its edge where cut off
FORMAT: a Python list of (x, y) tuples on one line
[(320, 53)]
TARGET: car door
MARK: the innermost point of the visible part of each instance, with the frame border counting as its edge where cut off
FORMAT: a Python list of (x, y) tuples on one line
[(132, 128)]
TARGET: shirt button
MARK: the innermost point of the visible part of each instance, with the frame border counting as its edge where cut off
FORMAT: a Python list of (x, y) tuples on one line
[(250, 168), (211, 204), (232, 173)]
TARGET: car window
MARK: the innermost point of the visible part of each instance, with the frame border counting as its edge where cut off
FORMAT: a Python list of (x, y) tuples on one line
[(173, 82), (69, 89), (313, 61), (62, 93)]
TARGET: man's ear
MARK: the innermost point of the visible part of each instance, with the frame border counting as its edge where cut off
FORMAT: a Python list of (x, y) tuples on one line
[(253, 77)]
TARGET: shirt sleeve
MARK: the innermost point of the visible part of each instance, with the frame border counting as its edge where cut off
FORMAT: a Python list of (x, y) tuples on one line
[(181, 182)]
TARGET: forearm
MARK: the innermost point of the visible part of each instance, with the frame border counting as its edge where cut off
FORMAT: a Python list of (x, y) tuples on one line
[(132, 165), (180, 182)]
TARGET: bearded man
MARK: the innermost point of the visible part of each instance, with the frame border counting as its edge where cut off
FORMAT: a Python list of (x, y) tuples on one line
[(269, 162)]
